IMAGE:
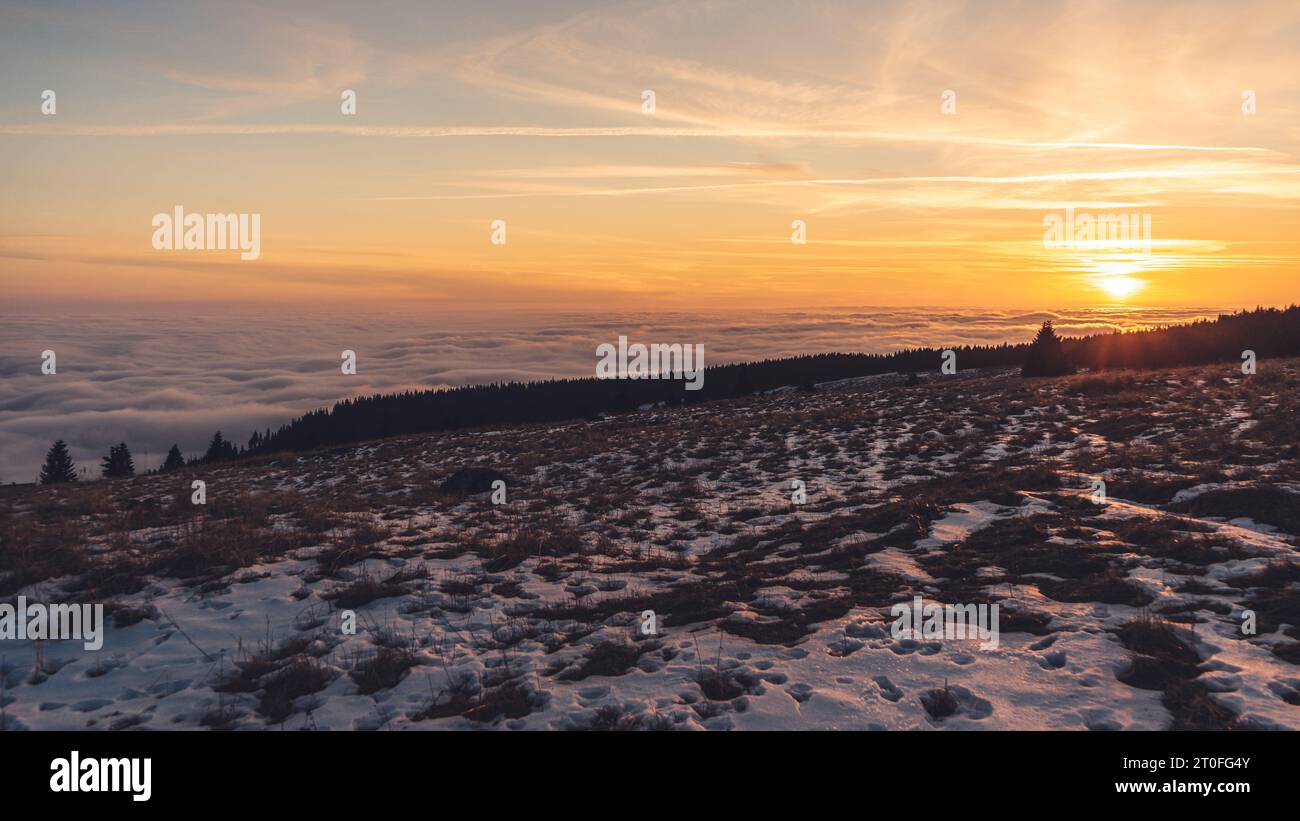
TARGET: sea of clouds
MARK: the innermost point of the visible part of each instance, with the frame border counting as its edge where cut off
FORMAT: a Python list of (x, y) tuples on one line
[(154, 380)]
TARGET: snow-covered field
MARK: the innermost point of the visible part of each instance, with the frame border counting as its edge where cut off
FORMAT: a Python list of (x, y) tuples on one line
[(1125, 613)]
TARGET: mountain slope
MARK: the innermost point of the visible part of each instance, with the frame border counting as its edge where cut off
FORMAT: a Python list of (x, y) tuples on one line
[(767, 613)]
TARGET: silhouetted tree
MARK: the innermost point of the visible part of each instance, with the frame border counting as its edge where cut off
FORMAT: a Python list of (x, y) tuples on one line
[(1046, 356), (58, 465), (219, 449), (174, 460), (118, 462)]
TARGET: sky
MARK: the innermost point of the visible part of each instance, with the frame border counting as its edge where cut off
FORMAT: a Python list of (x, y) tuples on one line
[(922, 145), (502, 197)]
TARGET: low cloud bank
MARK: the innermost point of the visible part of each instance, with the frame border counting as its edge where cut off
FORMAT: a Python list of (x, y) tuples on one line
[(152, 381)]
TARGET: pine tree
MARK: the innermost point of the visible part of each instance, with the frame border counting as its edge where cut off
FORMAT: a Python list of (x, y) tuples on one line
[(216, 448), (174, 460), (58, 465), (118, 462), (1046, 355), (219, 449)]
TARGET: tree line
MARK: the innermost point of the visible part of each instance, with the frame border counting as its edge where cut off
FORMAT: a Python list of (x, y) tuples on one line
[(1269, 332), (59, 466)]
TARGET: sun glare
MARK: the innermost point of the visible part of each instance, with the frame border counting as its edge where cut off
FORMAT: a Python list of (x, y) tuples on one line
[(1120, 287)]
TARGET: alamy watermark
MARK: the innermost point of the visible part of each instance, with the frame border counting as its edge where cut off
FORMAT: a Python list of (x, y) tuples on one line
[(77, 774), (919, 620), (179, 231), (654, 361), (1094, 232), (53, 622)]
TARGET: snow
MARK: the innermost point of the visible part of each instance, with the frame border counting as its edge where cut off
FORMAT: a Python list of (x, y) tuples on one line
[(845, 672)]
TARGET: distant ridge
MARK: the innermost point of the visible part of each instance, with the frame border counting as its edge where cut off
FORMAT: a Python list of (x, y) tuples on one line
[(1269, 332)]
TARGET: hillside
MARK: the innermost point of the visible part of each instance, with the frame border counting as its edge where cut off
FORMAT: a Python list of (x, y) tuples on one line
[(975, 488), (1269, 332)]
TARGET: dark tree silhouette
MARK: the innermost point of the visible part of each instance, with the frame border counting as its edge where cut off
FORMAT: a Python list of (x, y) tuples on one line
[(58, 465), (1046, 356), (118, 462), (219, 449), (174, 460)]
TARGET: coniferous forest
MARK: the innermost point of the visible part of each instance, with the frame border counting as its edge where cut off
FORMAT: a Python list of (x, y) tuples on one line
[(1269, 332)]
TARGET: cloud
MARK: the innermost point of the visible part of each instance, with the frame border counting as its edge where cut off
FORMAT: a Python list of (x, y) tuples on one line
[(154, 381)]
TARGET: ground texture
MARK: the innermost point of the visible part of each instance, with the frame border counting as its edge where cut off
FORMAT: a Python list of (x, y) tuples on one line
[(1119, 613)]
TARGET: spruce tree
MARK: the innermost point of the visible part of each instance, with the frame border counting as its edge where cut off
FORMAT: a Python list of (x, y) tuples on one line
[(118, 462), (1046, 355), (219, 449), (58, 465), (174, 460)]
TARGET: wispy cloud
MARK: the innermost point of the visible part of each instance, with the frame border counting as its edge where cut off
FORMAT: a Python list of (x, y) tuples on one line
[(433, 132), (826, 112)]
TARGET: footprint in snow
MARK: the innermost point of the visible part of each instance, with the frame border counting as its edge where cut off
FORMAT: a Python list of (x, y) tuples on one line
[(1053, 661), (972, 706), (961, 702), (800, 692), (1107, 725), (588, 694), (369, 723), (1044, 643), (165, 688), (888, 691), (908, 646), (1286, 689), (844, 647), (865, 630)]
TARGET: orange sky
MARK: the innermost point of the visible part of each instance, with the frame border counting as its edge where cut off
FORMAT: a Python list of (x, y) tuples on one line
[(765, 114)]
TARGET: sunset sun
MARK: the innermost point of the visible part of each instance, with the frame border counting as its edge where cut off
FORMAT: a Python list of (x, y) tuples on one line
[(1121, 287)]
